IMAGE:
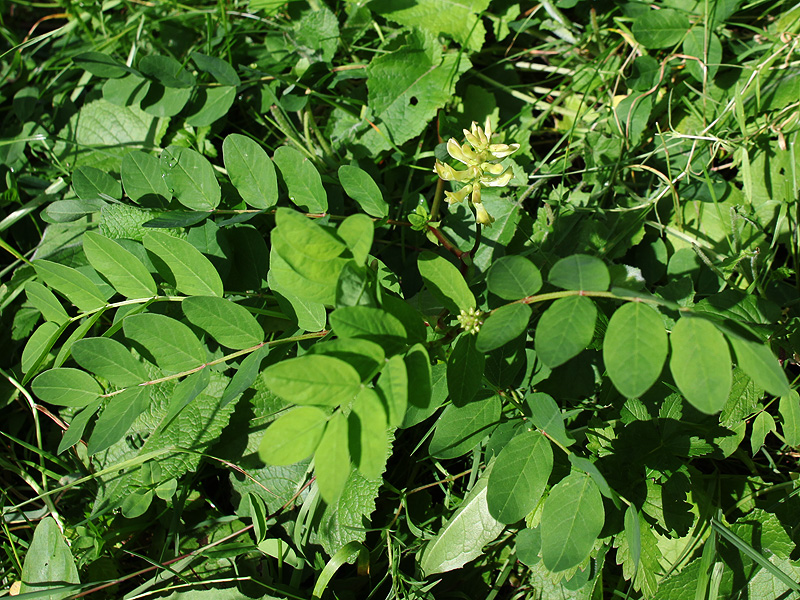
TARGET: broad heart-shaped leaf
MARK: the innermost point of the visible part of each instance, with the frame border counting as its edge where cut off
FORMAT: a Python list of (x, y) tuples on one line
[(445, 282), (228, 323), (193, 273), (366, 426), (109, 359), (503, 325), (756, 359), (66, 387), (464, 370), (302, 180), (190, 178), (313, 379), (45, 302), (572, 518), (363, 189), (701, 363), (635, 348), (394, 387), (660, 28), (332, 459), (49, 565), (580, 272), (464, 535), (142, 177), (173, 346), (790, 411), (519, 476), (251, 171), (124, 270), (118, 415), (293, 436), (513, 277), (75, 286), (459, 429), (564, 330), (90, 183)]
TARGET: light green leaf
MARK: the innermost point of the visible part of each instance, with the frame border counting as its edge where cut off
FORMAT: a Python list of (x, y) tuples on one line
[(701, 364), (519, 476), (546, 415), (580, 272), (122, 268), (251, 171), (142, 178), (93, 184), (343, 521), (293, 436), (459, 429), (136, 503), (101, 64), (363, 189), (364, 356), (192, 272), (109, 359), (462, 538), (45, 302), (513, 277), (75, 286), (635, 348), (49, 565), (313, 379), (66, 387), (77, 426), (503, 325), (660, 28), (357, 232), (708, 54), (190, 178), (756, 359), (572, 518), (790, 411), (445, 282), (302, 179), (210, 104), (173, 346), (564, 330), (228, 323), (368, 323), (118, 415), (763, 424), (332, 459), (394, 386), (369, 441), (38, 345), (464, 370)]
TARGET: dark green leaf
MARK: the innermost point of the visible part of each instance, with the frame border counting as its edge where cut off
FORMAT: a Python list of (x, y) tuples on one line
[(245, 376), (503, 325), (756, 359), (302, 179), (293, 436), (660, 28), (513, 277), (101, 65), (124, 270), (464, 370), (546, 415), (219, 69), (580, 272), (192, 272), (445, 282), (142, 177), (172, 344), (38, 346), (45, 302), (66, 387), (790, 411), (176, 218), (166, 70), (210, 104), (190, 178), (564, 330), (118, 415), (75, 286), (251, 171), (93, 184), (228, 323), (459, 429), (77, 426)]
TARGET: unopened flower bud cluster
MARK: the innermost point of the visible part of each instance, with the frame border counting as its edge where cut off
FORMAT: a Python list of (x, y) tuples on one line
[(470, 320)]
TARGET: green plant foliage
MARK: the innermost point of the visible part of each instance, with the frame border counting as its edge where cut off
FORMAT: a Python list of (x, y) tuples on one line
[(49, 566), (513, 277), (250, 170), (565, 329)]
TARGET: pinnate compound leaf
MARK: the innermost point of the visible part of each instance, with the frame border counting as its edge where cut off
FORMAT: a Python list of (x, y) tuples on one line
[(580, 272), (363, 189), (313, 379), (66, 387), (109, 359), (572, 518), (790, 411), (459, 429), (660, 28), (503, 325), (462, 538), (445, 282), (369, 441), (756, 359), (173, 346), (74, 285), (464, 370), (564, 330), (293, 436), (118, 415), (519, 477), (635, 348), (513, 277), (123, 269), (332, 459), (251, 171), (192, 272), (228, 323), (302, 180), (49, 565), (190, 178), (701, 364), (142, 177)]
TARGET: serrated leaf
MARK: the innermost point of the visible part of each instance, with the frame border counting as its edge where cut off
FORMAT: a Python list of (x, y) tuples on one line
[(366, 426), (701, 364), (332, 459), (293, 436), (580, 272), (193, 273), (343, 521), (445, 282), (251, 171), (363, 189), (118, 415), (122, 268), (109, 359), (635, 348), (228, 323), (302, 180), (464, 370), (190, 178), (49, 567), (74, 285), (313, 379), (66, 387), (142, 178), (173, 346), (572, 518), (660, 28), (513, 277), (459, 429), (564, 330), (519, 477), (502, 326)]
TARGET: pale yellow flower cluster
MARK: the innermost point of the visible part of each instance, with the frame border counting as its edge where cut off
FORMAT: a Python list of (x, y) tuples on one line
[(470, 320), (483, 169)]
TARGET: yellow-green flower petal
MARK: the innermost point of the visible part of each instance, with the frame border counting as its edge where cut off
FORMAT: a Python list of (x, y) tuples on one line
[(503, 150), (455, 150), (498, 181), (482, 217), (453, 197)]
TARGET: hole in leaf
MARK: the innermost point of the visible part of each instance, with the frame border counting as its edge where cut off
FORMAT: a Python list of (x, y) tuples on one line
[(414, 101)]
